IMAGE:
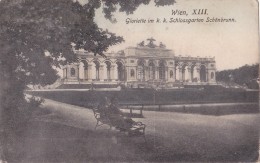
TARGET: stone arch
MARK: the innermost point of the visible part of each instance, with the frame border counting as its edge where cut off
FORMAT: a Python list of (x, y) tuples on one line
[(151, 62), (162, 69), (141, 62), (95, 60), (203, 75), (119, 60)]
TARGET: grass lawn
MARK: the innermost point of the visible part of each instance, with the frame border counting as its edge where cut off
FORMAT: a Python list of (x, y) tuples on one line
[(149, 96), (176, 97), (66, 134)]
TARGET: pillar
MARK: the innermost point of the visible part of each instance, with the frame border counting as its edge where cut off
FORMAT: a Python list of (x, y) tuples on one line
[(89, 72), (189, 75), (78, 72), (198, 72), (207, 76), (180, 74), (101, 72), (65, 73), (166, 73), (112, 72), (146, 73), (85, 73), (136, 71), (156, 73)]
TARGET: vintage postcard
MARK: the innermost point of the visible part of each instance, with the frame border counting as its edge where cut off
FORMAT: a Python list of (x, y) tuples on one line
[(129, 81)]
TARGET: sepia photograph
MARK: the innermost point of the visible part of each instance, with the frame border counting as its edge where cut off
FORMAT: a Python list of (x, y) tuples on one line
[(129, 81)]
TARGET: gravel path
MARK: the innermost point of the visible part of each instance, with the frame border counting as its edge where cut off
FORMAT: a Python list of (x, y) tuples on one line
[(182, 135)]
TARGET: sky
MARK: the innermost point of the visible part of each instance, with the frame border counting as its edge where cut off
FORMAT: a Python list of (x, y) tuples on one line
[(233, 44)]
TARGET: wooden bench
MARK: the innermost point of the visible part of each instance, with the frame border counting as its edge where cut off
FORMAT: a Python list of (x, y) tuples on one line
[(137, 128), (101, 118)]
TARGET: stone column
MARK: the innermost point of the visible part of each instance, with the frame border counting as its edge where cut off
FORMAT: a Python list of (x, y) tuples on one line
[(198, 71), (207, 75), (77, 72), (175, 73), (85, 76), (166, 74), (65, 73), (126, 73), (89, 72), (101, 72), (136, 73), (105, 72), (180, 74), (189, 74), (156, 73), (112, 72), (146, 73)]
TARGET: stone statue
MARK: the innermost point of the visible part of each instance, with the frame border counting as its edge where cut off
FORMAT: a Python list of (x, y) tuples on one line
[(151, 44), (162, 45), (141, 43)]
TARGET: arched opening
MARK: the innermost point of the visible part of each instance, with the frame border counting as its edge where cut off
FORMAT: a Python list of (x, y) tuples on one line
[(120, 71), (72, 72), (194, 73), (151, 70), (171, 74), (162, 70), (108, 70), (132, 73), (97, 66), (203, 73), (140, 70)]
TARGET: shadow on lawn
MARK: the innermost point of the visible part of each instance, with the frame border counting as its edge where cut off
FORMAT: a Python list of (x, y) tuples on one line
[(53, 142)]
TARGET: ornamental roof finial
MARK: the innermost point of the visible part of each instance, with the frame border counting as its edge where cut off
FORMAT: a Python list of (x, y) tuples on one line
[(151, 44)]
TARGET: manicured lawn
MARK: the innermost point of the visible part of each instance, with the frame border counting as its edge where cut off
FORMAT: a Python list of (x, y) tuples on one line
[(66, 134), (148, 96), (172, 97)]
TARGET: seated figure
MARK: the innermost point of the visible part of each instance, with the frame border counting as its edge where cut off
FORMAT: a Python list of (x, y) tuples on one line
[(108, 112), (111, 110), (117, 117)]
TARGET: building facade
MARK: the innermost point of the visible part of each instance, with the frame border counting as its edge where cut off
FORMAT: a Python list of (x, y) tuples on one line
[(142, 64)]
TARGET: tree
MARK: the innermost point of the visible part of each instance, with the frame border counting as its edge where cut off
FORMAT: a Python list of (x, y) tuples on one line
[(245, 75), (37, 35)]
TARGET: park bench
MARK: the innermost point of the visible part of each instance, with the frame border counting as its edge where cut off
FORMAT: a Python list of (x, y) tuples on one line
[(137, 128)]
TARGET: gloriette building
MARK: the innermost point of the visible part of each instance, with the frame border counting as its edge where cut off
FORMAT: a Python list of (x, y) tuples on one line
[(144, 64)]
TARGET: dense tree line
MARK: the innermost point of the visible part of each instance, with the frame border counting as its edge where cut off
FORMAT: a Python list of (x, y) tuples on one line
[(245, 76), (38, 35)]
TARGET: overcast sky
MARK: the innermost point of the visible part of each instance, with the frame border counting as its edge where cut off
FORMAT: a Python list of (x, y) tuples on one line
[(232, 44)]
